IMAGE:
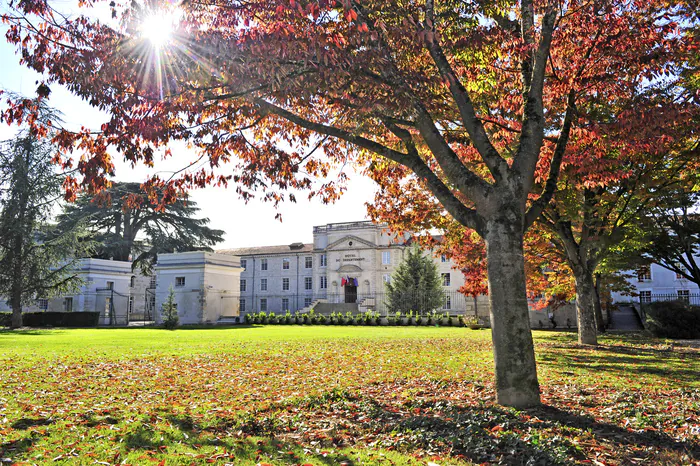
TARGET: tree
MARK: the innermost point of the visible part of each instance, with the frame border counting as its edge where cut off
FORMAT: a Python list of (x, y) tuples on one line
[(415, 285), (466, 102), (35, 260), (171, 319), (674, 235), (125, 225)]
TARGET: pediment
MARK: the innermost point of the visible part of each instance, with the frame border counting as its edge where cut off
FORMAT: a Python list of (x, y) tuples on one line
[(349, 268), (342, 243)]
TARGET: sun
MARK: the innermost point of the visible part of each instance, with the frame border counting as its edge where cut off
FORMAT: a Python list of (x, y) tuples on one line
[(158, 27)]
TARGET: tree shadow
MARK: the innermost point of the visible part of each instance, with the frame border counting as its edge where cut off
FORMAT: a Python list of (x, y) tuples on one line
[(30, 331), (16, 447), (243, 446), (26, 423)]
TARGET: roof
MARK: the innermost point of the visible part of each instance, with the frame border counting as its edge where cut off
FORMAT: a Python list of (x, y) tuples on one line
[(269, 250)]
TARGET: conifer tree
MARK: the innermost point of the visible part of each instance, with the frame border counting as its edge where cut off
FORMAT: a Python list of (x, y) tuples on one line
[(126, 226), (415, 285), (36, 261), (171, 319)]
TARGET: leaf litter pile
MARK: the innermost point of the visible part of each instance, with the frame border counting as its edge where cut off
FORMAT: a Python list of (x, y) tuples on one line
[(423, 398)]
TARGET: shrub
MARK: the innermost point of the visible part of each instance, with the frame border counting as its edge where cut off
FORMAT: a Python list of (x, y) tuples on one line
[(377, 319), (168, 311), (673, 319), (248, 319), (57, 319), (419, 320), (5, 319)]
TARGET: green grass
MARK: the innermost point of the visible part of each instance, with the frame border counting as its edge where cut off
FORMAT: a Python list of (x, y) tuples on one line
[(328, 395)]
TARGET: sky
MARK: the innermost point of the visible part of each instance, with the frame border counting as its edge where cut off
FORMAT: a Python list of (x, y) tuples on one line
[(251, 224)]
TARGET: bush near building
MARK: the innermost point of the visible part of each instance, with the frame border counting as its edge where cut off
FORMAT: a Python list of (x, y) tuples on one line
[(673, 319)]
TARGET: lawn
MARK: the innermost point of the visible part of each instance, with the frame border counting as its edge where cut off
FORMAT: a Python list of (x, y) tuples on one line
[(337, 395)]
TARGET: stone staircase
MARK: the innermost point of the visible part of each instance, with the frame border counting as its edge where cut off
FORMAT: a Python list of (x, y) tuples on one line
[(626, 319)]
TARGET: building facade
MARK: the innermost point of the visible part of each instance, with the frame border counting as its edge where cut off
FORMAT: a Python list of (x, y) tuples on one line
[(656, 283), (347, 264)]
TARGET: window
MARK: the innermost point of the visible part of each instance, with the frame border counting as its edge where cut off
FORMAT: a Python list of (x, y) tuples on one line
[(308, 262), (324, 260), (263, 304), (152, 284), (132, 281), (131, 304), (307, 302), (244, 285), (263, 264), (448, 303), (244, 263), (644, 274), (67, 304), (108, 306), (263, 284), (386, 257), (42, 304), (242, 305), (387, 278), (285, 304), (180, 281), (446, 279), (684, 295), (323, 283), (443, 258), (285, 264), (285, 284), (645, 296), (308, 283), (110, 285)]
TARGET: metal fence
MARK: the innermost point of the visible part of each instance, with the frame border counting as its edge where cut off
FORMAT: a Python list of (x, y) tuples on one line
[(451, 302), (689, 298)]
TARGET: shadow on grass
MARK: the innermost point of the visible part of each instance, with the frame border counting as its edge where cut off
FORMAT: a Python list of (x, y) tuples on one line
[(26, 423), (30, 331), (250, 447), (17, 447), (627, 361)]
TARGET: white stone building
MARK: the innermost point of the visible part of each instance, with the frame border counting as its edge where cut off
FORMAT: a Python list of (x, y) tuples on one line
[(347, 263), (205, 285), (107, 287), (656, 283)]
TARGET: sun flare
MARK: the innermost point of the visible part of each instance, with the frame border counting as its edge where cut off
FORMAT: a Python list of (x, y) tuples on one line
[(158, 27)]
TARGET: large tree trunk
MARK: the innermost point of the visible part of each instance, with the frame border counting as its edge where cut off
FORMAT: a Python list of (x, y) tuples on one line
[(514, 354), (16, 304), (599, 320), (585, 307)]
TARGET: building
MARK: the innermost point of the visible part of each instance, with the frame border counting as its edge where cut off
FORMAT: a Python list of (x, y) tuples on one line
[(656, 283), (346, 268), (108, 287), (205, 286)]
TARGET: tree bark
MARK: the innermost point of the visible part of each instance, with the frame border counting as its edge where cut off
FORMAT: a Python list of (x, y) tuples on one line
[(513, 348), (16, 304), (585, 307), (600, 322)]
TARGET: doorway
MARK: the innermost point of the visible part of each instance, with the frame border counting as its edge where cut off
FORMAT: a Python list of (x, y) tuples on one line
[(350, 293)]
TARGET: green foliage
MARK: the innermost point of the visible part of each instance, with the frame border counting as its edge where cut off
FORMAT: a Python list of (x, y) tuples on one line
[(673, 319), (415, 285), (673, 233), (128, 225), (171, 320), (36, 259)]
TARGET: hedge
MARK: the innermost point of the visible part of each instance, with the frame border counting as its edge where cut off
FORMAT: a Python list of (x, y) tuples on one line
[(673, 319), (54, 319)]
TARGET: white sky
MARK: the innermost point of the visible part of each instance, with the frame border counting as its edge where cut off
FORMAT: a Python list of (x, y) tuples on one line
[(251, 224)]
